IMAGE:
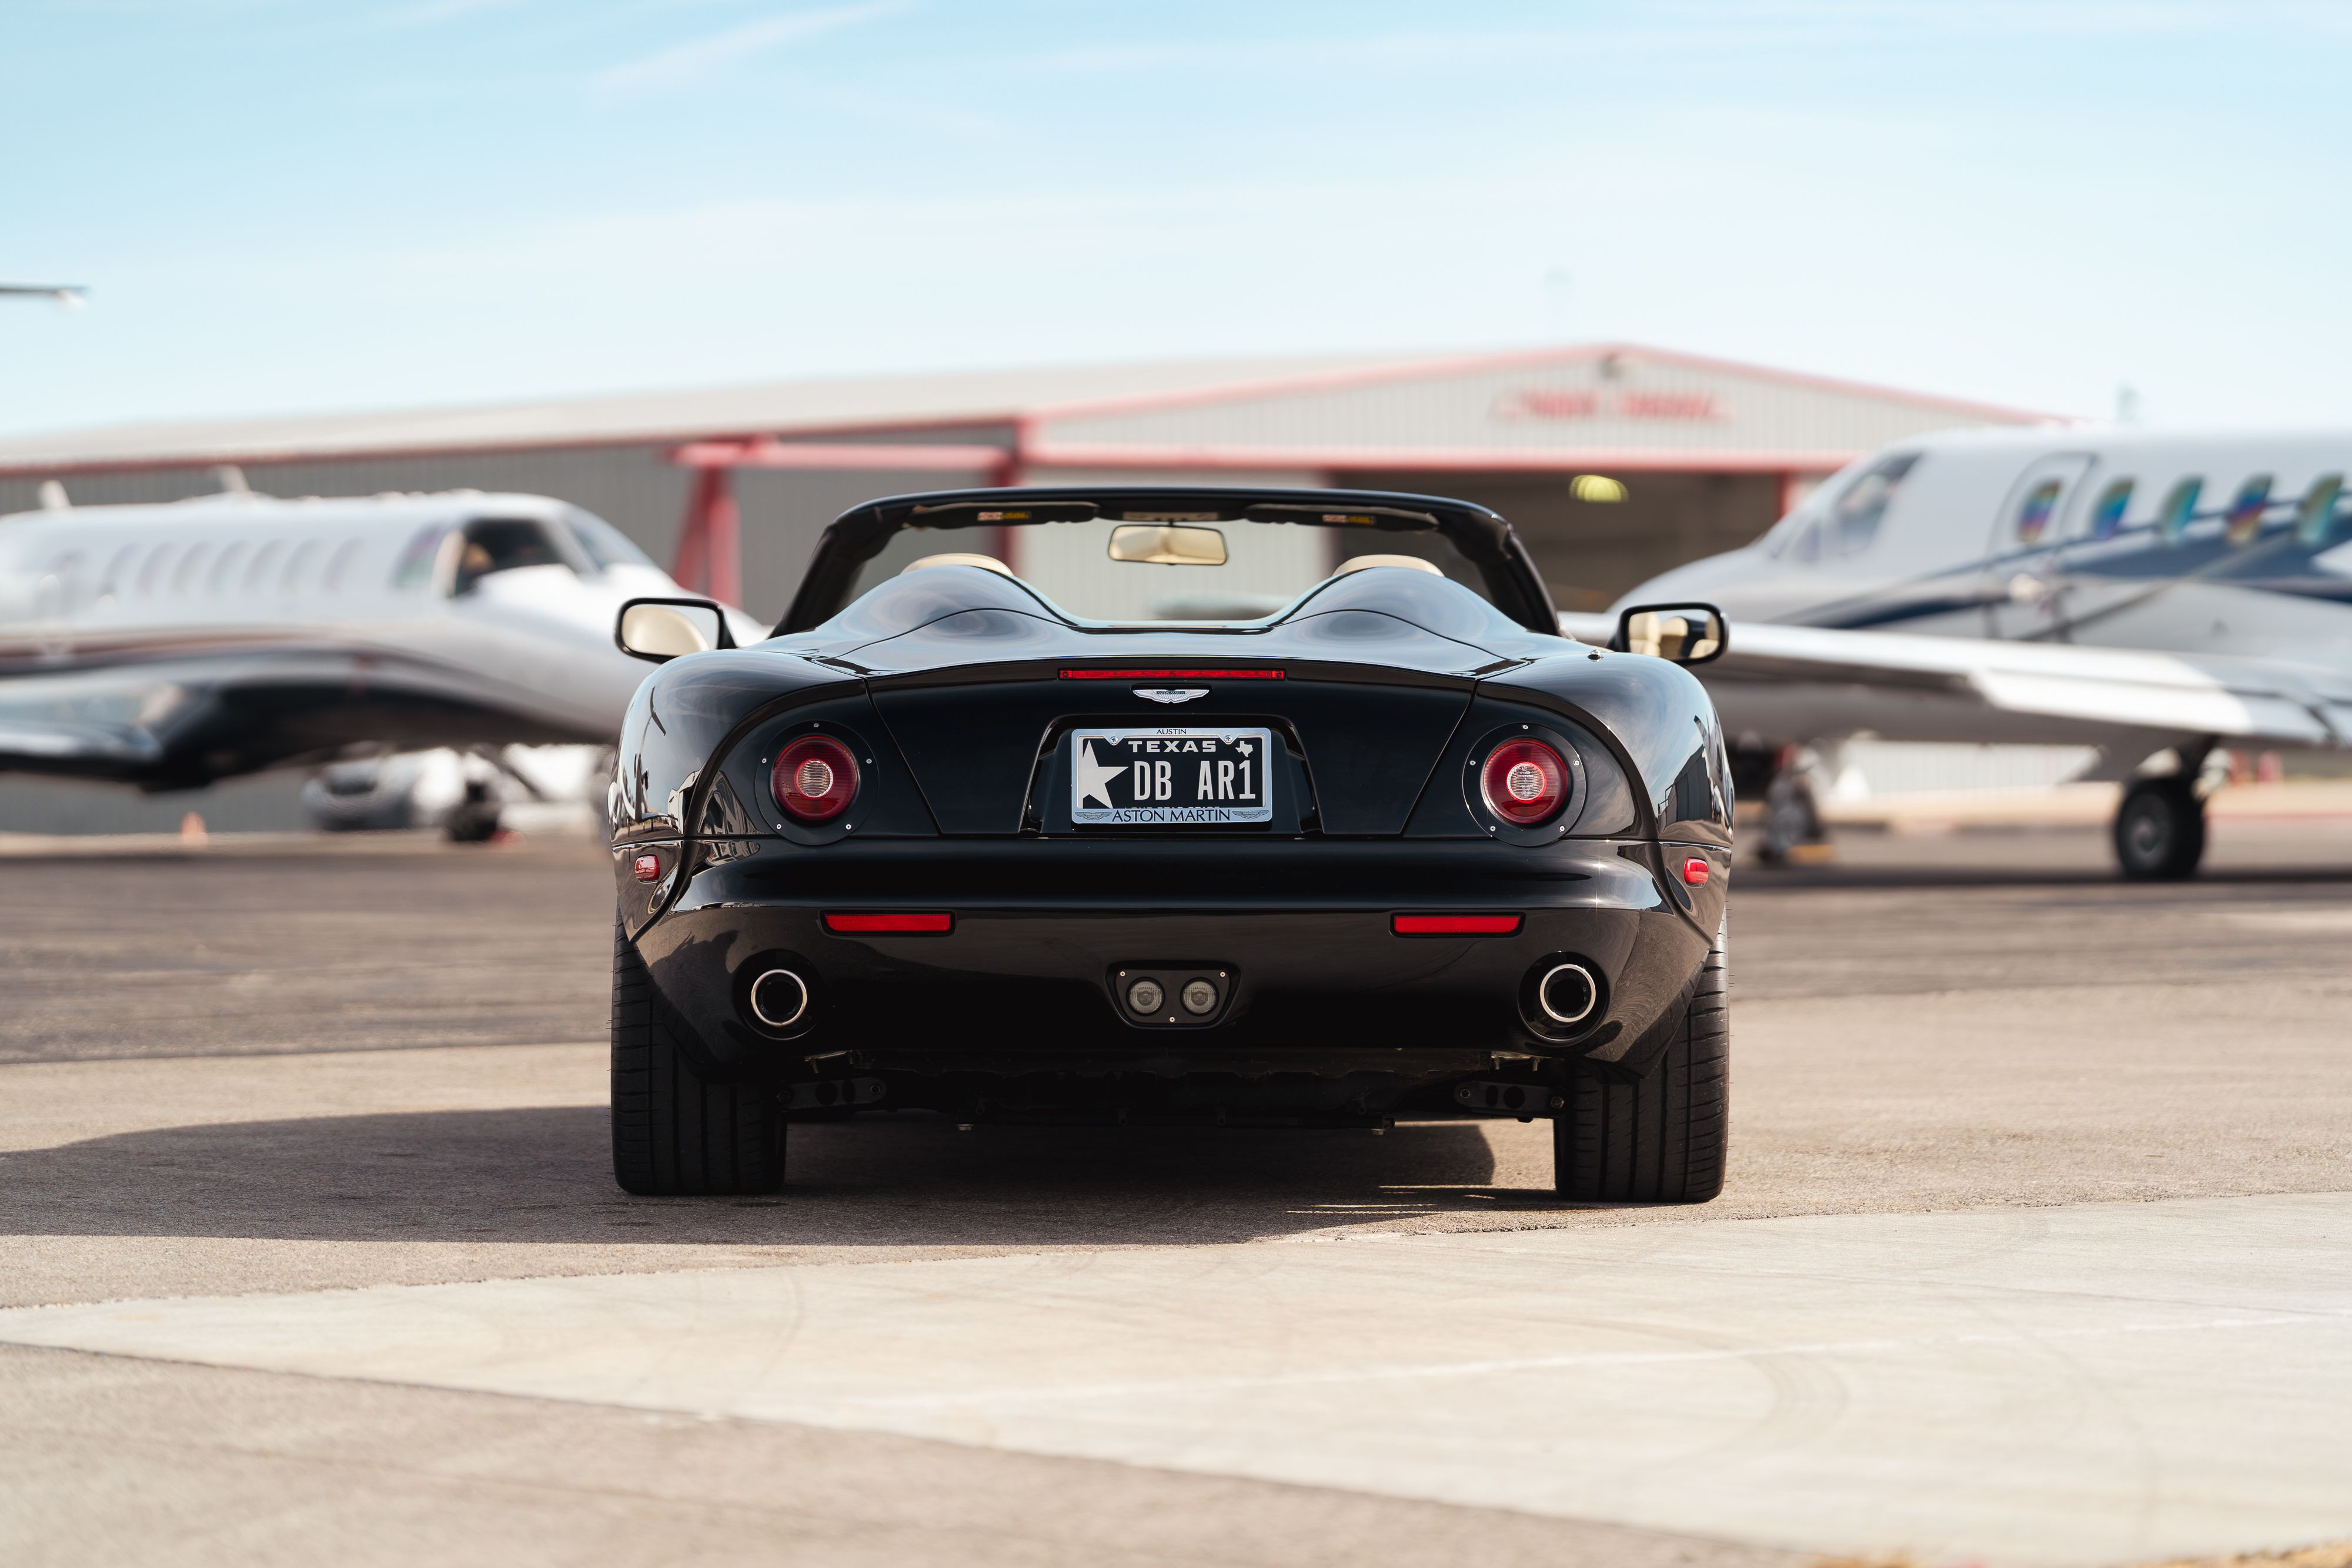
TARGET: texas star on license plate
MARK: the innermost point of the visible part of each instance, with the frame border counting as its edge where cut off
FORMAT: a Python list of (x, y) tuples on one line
[(1169, 776)]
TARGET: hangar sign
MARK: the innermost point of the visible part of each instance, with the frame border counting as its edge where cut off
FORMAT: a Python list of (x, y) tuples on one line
[(1561, 403)]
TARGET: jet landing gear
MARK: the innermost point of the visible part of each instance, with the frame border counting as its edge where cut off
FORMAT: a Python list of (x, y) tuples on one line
[(2161, 828), (1789, 819), (474, 818)]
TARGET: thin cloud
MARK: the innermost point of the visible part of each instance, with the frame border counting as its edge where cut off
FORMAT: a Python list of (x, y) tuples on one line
[(681, 64)]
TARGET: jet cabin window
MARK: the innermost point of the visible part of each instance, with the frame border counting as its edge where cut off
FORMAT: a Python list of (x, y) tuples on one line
[(2180, 507), (298, 565), (192, 566), (2034, 512), (339, 564), (2245, 519), (2315, 516), (118, 573), (2107, 517), (502, 544)]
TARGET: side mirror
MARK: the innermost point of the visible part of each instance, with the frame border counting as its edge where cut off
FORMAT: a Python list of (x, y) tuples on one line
[(658, 629), (1159, 544), (1686, 634)]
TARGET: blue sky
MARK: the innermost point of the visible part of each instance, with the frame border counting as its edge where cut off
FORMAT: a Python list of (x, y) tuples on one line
[(290, 207)]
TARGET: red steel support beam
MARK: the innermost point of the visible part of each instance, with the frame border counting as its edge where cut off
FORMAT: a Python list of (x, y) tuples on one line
[(709, 547)]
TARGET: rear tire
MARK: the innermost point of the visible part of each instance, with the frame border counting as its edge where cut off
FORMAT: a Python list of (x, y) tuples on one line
[(2159, 830), (1661, 1138), (675, 1132)]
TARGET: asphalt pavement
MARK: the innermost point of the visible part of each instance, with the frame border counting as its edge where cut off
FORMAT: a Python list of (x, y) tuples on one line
[(2034, 1250)]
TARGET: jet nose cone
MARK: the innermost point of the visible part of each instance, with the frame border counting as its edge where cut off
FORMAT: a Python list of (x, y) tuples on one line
[(1709, 580)]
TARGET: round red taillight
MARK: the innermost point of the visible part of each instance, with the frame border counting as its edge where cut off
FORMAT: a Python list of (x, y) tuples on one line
[(1525, 781), (815, 778)]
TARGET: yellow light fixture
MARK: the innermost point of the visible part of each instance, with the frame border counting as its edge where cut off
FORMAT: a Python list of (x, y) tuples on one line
[(1596, 488)]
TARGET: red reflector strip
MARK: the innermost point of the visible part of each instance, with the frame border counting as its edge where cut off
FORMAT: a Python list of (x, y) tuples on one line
[(1453, 924), (1172, 675), (1695, 872), (900, 923)]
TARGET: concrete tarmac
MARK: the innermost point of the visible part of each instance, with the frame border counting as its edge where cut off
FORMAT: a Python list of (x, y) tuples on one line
[(2034, 1251)]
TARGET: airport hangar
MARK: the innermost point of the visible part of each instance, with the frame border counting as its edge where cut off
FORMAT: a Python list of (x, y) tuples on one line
[(1614, 461)]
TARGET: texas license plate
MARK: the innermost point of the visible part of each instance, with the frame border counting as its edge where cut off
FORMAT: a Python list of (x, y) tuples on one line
[(1143, 775)]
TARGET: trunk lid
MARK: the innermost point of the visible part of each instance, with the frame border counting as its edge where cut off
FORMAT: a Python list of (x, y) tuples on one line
[(989, 738)]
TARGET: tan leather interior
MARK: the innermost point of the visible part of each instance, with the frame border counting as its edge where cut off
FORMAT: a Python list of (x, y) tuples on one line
[(1409, 563), (960, 558)]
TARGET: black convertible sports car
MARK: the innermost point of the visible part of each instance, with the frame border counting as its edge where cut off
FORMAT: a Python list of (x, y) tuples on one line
[(1338, 838)]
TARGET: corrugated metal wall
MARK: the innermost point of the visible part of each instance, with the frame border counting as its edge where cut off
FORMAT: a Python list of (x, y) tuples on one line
[(631, 485), (1624, 401)]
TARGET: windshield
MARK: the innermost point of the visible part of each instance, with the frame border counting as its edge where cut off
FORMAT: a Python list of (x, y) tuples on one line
[(502, 544), (1849, 523), (602, 543), (1265, 566)]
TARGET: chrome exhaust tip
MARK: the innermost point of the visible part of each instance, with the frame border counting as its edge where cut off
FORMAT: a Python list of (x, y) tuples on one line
[(778, 997), (1567, 993), (1185, 995)]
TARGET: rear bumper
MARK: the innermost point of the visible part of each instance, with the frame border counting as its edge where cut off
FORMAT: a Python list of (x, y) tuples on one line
[(1025, 983)]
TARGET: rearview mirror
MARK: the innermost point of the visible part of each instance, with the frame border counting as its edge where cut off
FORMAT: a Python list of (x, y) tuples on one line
[(1159, 544), (658, 629), (1686, 634)]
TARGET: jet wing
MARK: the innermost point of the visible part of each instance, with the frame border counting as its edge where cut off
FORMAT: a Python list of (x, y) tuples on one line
[(84, 728), (185, 720), (1811, 683), (30, 744)]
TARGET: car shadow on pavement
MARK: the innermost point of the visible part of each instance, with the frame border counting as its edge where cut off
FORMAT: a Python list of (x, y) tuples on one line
[(1839, 877), (543, 1175)]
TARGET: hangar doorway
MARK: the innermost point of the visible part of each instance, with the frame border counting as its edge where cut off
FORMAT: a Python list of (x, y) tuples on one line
[(1590, 553)]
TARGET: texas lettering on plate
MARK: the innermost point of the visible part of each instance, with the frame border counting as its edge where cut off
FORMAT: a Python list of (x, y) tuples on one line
[(1145, 776)]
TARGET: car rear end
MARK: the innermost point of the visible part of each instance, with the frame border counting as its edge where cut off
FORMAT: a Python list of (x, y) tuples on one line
[(1275, 890)]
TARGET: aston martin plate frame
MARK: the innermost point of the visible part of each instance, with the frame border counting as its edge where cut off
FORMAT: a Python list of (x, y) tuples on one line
[(1164, 775)]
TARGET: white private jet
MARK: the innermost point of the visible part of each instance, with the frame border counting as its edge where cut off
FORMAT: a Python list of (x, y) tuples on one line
[(168, 646), (2154, 595)]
